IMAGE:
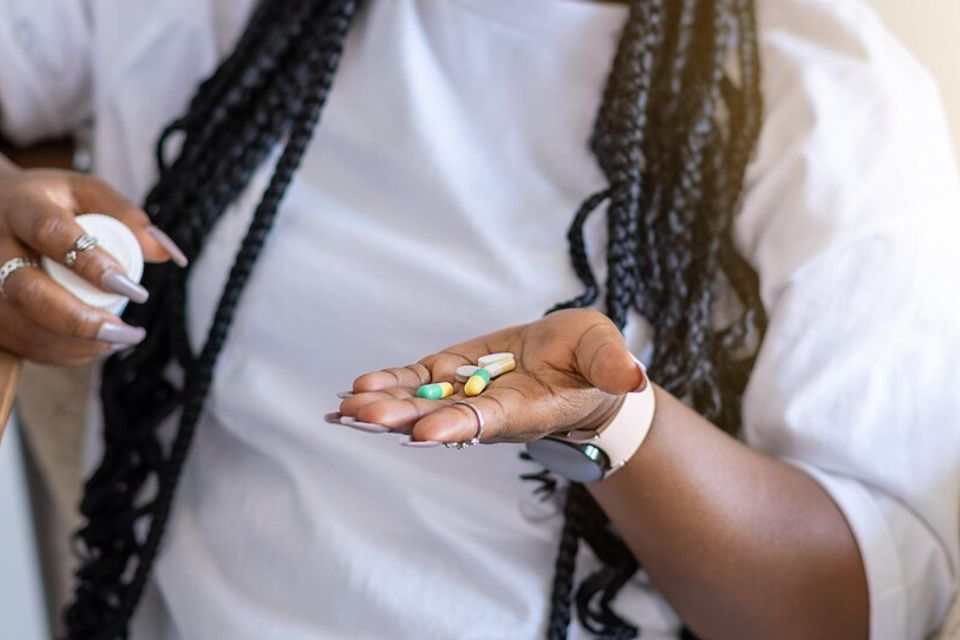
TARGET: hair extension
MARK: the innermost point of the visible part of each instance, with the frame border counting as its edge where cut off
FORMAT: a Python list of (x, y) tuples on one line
[(674, 170), (275, 85)]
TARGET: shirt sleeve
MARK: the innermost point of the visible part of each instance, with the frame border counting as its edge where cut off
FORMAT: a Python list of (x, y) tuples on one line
[(851, 218), (45, 86)]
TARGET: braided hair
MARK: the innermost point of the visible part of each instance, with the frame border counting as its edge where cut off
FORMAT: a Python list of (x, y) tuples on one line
[(679, 118)]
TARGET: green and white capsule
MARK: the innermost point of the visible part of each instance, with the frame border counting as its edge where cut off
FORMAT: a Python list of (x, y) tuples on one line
[(435, 391)]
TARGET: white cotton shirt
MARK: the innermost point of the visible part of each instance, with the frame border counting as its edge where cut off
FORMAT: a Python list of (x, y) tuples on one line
[(432, 206)]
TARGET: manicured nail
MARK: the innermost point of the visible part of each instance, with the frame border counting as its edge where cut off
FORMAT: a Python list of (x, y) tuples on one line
[(360, 425), (419, 444), (114, 349), (643, 370), (343, 395), (117, 282), (165, 241), (122, 334), (332, 418)]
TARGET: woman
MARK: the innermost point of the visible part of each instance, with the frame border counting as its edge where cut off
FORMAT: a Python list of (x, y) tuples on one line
[(428, 206)]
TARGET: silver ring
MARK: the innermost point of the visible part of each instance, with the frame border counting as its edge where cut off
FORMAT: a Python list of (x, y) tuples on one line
[(84, 243), (475, 440), (11, 265)]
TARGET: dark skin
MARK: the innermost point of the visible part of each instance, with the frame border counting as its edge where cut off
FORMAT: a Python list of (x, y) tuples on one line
[(40, 320), (741, 544)]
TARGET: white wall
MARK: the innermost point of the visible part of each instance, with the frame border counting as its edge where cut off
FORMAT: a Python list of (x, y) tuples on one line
[(931, 28)]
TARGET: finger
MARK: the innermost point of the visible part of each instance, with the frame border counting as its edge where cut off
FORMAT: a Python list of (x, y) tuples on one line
[(443, 365), (604, 360), (94, 195), (351, 405), (413, 376), (33, 342), (509, 339), (53, 231), (398, 413), (510, 413), (37, 297)]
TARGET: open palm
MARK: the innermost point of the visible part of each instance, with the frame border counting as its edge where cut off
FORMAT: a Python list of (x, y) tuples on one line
[(572, 371)]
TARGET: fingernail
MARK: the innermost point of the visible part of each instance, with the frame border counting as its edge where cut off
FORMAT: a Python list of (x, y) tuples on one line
[(117, 282), (165, 241), (643, 371), (419, 444), (332, 418), (360, 425), (122, 334), (343, 395)]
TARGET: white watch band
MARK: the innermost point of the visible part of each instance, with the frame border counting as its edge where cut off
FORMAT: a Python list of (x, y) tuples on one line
[(623, 435)]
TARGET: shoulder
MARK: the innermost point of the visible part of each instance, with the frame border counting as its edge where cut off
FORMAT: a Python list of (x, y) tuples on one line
[(855, 143)]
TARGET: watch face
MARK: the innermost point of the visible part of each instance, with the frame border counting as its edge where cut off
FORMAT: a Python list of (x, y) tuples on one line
[(578, 462)]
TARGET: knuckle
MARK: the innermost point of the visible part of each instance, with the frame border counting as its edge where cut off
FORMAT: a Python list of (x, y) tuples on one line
[(80, 324), (24, 292), (96, 265), (45, 229)]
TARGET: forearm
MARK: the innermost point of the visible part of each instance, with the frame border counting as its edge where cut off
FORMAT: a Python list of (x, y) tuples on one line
[(741, 544)]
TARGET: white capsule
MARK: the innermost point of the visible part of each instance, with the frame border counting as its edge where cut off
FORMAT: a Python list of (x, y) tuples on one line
[(494, 357), (464, 372)]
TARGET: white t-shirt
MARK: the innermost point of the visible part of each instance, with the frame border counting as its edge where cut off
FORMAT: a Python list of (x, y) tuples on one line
[(431, 207)]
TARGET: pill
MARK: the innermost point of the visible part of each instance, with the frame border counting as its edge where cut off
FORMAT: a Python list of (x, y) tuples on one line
[(464, 372), (494, 357), (476, 384), (435, 391), (500, 367)]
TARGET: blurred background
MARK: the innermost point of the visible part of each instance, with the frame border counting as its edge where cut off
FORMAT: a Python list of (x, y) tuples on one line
[(929, 28)]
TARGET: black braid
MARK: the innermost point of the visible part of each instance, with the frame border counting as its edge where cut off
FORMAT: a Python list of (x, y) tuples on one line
[(674, 189), (674, 169), (228, 130)]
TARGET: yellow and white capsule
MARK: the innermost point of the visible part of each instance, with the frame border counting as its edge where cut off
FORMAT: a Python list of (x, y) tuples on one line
[(500, 367), (482, 376), (494, 357), (477, 382), (435, 391)]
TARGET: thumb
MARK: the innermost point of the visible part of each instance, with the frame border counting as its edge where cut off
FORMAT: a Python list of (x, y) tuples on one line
[(604, 360)]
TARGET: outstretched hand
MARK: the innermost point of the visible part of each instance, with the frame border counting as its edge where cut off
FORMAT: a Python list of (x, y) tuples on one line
[(573, 369)]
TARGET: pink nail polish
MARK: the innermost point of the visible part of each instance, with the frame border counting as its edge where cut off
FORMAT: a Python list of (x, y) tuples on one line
[(419, 444), (165, 241), (119, 283), (121, 333), (360, 425), (343, 395), (643, 371)]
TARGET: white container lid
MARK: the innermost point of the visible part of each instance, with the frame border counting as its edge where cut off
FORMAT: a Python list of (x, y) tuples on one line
[(115, 238)]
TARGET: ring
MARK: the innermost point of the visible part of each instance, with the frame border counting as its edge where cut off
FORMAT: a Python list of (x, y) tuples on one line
[(84, 243), (477, 436), (11, 265)]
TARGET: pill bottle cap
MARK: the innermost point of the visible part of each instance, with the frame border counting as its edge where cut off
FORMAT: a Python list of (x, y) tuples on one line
[(115, 238)]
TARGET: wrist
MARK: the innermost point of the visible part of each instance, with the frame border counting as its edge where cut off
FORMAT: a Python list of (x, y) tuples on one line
[(591, 455)]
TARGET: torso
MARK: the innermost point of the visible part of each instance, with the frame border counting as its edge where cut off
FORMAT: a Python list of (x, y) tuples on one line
[(473, 116)]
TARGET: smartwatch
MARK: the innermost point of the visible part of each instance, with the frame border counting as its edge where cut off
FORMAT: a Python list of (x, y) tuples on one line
[(590, 456)]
